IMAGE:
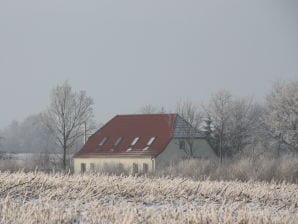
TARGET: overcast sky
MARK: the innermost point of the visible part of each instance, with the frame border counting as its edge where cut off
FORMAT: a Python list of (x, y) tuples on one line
[(127, 54)]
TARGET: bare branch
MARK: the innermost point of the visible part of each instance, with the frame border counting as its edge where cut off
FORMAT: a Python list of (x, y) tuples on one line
[(68, 112)]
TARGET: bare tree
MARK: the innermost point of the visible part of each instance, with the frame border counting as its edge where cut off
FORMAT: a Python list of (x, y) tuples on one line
[(244, 121), (150, 109), (232, 123), (1, 139), (192, 122), (12, 141), (219, 110), (65, 118), (256, 139), (208, 131), (28, 136), (282, 114)]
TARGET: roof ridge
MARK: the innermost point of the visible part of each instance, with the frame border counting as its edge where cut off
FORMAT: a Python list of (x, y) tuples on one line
[(149, 114), (131, 125)]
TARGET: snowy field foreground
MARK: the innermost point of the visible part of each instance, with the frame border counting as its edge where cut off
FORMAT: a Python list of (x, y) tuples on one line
[(57, 198)]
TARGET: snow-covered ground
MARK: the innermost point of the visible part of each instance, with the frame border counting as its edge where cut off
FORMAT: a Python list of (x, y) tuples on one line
[(43, 198), (29, 156)]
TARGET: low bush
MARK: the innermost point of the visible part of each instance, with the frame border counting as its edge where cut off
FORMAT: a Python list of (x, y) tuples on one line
[(264, 168)]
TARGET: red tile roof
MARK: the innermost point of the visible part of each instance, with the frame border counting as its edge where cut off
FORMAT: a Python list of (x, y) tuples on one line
[(129, 127)]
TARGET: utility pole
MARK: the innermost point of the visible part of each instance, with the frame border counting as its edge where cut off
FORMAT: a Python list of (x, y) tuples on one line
[(1, 138), (85, 132)]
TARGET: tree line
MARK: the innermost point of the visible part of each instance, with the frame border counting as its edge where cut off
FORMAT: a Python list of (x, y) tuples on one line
[(59, 129), (232, 125), (238, 125)]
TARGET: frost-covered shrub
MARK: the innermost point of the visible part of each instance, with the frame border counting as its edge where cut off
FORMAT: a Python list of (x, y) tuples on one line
[(264, 168), (36, 197)]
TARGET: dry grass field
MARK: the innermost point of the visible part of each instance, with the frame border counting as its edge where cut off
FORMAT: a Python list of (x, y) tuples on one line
[(57, 198)]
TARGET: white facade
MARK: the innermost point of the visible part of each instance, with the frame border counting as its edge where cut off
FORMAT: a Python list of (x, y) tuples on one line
[(173, 152)]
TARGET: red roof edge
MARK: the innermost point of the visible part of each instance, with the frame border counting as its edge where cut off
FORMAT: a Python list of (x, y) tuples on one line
[(172, 119)]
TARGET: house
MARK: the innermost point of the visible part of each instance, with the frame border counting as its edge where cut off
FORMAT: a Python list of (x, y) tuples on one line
[(141, 143)]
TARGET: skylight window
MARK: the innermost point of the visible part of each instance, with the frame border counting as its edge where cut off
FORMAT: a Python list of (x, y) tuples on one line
[(151, 140), (146, 148), (135, 141), (117, 142), (103, 141)]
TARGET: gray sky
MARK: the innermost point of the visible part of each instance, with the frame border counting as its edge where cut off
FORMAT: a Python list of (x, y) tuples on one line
[(127, 54)]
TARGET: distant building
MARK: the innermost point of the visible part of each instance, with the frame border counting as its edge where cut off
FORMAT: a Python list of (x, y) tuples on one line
[(140, 143)]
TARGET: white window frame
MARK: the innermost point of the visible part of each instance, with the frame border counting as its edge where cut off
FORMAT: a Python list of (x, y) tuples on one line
[(136, 139), (103, 141), (117, 142), (151, 140)]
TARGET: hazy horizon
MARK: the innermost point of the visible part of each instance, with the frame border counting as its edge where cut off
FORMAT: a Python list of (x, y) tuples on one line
[(127, 54)]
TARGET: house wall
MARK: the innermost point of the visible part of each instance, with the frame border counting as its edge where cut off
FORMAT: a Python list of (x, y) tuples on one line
[(173, 153), (127, 163)]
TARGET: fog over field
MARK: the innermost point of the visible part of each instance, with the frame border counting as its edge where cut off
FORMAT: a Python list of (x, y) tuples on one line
[(215, 87)]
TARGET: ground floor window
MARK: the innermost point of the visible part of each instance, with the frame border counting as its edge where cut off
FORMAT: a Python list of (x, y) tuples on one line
[(135, 168), (145, 168), (92, 167), (83, 167), (182, 144)]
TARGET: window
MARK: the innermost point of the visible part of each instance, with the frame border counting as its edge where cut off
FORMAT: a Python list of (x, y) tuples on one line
[(135, 168), (92, 167), (117, 142), (83, 167), (103, 141), (145, 168), (151, 140), (135, 141), (181, 144)]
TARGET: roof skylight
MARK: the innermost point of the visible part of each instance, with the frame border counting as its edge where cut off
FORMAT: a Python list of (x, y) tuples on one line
[(117, 142), (135, 141), (151, 140), (103, 141)]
